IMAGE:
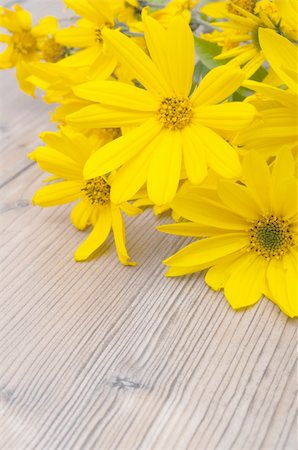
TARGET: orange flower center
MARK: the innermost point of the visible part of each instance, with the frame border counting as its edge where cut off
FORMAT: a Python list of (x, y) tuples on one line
[(175, 112), (97, 190)]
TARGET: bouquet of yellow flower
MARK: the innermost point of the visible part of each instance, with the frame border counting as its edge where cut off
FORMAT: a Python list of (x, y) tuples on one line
[(185, 106)]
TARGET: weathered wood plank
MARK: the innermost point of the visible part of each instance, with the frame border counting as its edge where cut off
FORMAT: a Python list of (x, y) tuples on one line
[(96, 355)]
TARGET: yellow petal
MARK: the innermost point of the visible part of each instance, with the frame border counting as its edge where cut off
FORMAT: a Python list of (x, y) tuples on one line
[(103, 66), (96, 12), (77, 37), (280, 53), (15, 21), (119, 237), (289, 12), (284, 199), (283, 168), (238, 199), (280, 282), (80, 214), (227, 116), (220, 155), (282, 96), (218, 275), (275, 123), (206, 251), (240, 55), (97, 236), (216, 10), (115, 93), (58, 193), (190, 229), (73, 145), (290, 265), (132, 175), (180, 55), (130, 210), (82, 58), (194, 157), (7, 58), (155, 36), (22, 74), (23, 17), (52, 161), (244, 286), (5, 38), (257, 178), (218, 85), (137, 62), (165, 168), (46, 25), (207, 212), (113, 155), (236, 51), (101, 116), (253, 64), (179, 271)]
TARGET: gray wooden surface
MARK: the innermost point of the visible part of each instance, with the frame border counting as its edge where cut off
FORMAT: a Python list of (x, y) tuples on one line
[(99, 356)]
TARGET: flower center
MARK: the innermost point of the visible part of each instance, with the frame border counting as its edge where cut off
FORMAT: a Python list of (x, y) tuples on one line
[(271, 237), (269, 8), (24, 42), (183, 5), (113, 133), (98, 32), (52, 51), (247, 5), (97, 190), (175, 112)]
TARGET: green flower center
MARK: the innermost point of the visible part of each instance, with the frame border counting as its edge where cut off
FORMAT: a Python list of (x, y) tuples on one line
[(271, 237), (175, 112), (24, 42), (97, 190)]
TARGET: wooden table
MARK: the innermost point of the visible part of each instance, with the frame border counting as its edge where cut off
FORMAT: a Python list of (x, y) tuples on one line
[(99, 356)]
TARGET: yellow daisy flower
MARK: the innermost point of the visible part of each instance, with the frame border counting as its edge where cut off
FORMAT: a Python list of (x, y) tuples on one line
[(207, 188), (282, 56), (271, 133), (175, 8), (132, 9), (171, 125), (26, 43), (57, 80), (87, 35), (245, 18), (250, 235), (64, 156), (128, 11), (278, 125)]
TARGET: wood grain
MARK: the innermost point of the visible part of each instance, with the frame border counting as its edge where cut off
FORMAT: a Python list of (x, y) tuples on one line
[(99, 356)]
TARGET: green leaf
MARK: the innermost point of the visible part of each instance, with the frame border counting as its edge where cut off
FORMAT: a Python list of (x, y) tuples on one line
[(240, 94), (260, 74), (206, 52), (199, 72)]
